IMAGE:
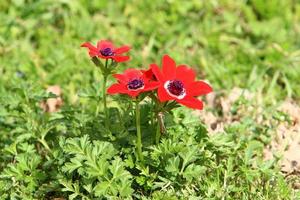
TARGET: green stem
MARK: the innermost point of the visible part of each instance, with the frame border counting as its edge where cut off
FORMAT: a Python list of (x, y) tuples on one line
[(45, 144), (106, 120), (157, 135), (160, 121), (97, 108), (160, 127), (138, 131)]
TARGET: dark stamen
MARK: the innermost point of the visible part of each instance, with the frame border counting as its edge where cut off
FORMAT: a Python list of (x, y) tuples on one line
[(107, 52), (176, 87), (135, 84)]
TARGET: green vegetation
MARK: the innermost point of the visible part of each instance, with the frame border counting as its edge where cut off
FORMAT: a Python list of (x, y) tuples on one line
[(252, 44)]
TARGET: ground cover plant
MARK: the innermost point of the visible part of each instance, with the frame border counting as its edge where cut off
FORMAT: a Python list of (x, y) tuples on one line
[(121, 119)]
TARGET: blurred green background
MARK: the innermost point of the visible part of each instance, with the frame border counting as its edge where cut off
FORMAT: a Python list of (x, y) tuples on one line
[(251, 44)]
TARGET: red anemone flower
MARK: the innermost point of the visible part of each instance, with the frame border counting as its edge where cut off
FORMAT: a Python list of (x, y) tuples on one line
[(105, 49), (178, 83), (149, 74), (132, 82)]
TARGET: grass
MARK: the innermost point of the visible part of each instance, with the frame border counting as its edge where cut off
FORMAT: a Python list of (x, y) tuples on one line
[(251, 44)]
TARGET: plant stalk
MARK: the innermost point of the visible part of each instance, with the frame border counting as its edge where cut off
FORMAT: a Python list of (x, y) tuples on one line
[(45, 144), (106, 117), (157, 133), (138, 131), (160, 120)]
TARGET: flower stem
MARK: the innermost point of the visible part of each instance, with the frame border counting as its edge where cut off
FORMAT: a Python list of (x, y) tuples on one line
[(45, 144), (157, 133), (106, 120), (138, 131), (161, 123)]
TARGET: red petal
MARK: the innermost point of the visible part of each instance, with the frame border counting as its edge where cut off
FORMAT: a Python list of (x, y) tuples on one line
[(132, 73), (151, 86), (122, 49), (89, 46), (104, 57), (169, 67), (134, 93), (148, 74), (191, 102), (120, 58), (102, 44), (163, 95), (121, 78), (93, 53), (198, 88), (186, 74), (117, 88), (156, 71)]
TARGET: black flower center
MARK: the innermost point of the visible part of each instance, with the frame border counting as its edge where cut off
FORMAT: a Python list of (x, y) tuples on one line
[(135, 84), (107, 52), (176, 87)]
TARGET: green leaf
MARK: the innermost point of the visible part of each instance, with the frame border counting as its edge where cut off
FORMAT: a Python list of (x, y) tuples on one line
[(98, 168), (101, 188), (74, 164), (118, 171), (194, 172), (173, 165), (189, 155), (251, 150)]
